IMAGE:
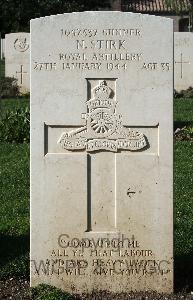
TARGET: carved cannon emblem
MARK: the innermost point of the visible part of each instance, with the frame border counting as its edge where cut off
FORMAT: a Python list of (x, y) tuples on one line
[(104, 129)]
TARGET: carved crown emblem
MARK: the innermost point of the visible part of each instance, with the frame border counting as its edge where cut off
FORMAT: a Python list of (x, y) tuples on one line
[(102, 91), (101, 97)]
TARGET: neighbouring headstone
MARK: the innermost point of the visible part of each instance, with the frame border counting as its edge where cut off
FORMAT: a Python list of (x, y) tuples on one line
[(183, 60), (2, 48), (101, 152), (17, 58)]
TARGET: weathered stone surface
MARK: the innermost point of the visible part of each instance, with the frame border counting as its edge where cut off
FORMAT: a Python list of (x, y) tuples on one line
[(17, 58), (101, 152), (183, 60)]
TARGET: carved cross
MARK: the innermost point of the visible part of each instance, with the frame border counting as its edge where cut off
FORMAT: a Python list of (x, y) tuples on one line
[(181, 62), (21, 73), (103, 138)]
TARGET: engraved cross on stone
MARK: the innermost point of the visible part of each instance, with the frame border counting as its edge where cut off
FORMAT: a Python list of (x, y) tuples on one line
[(103, 137), (181, 62), (21, 73)]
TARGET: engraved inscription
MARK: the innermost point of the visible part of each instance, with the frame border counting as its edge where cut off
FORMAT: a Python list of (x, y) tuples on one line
[(81, 267), (99, 50), (104, 129), (101, 44), (125, 32), (117, 256)]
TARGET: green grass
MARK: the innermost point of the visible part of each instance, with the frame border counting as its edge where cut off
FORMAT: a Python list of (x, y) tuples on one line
[(14, 213), (46, 292), (13, 104), (183, 194), (183, 110), (183, 218)]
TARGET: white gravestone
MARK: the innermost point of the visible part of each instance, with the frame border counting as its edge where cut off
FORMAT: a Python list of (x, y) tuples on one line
[(17, 58), (183, 60), (101, 152)]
